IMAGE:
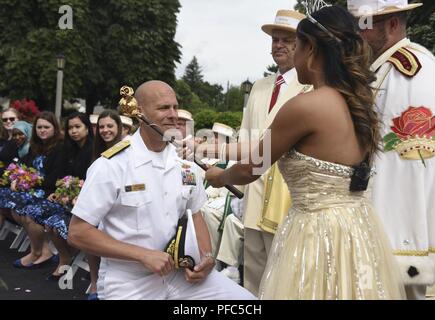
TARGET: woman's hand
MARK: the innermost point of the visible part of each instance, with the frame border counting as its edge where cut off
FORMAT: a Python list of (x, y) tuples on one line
[(214, 177), (14, 186)]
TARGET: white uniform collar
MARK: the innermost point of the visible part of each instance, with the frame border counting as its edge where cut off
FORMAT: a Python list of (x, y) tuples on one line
[(387, 54), (141, 154), (288, 76)]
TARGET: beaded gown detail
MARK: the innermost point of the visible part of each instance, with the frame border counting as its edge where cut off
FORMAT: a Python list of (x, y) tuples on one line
[(331, 245)]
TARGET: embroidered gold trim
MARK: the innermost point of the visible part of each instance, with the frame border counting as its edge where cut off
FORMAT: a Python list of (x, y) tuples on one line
[(117, 148), (417, 253), (177, 245), (410, 58), (268, 224), (431, 250)]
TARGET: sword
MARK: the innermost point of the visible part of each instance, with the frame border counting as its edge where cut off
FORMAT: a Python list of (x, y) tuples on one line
[(129, 108)]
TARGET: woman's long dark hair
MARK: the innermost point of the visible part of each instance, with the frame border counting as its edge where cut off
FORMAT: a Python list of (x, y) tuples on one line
[(4, 135), (100, 145), (346, 67), (70, 145), (36, 144)]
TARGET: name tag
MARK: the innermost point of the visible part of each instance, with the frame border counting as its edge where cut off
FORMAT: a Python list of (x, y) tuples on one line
[(135, 188)]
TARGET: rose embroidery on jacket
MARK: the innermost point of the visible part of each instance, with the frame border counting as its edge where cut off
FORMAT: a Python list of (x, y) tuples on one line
[(413, 135)]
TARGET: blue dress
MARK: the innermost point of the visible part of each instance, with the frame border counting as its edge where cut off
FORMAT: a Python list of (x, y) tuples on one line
[(18, 201)]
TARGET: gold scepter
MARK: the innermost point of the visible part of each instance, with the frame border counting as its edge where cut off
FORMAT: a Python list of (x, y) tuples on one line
[(129, 107)]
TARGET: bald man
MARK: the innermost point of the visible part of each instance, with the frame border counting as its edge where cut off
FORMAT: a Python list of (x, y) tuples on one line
[(136, 193)]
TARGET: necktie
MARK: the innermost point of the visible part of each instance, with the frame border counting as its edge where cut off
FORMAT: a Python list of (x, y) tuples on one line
[(279, 81)]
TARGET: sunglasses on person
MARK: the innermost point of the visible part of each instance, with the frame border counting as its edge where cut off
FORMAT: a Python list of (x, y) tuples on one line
[(9, 119)]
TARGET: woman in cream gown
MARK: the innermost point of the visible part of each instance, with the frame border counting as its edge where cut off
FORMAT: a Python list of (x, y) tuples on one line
[(331, 245)]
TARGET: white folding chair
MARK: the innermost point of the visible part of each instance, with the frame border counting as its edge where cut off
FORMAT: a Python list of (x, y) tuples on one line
[(19, 231)]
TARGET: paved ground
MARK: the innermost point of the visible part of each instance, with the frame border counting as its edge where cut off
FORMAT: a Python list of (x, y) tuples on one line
[(18, 284)]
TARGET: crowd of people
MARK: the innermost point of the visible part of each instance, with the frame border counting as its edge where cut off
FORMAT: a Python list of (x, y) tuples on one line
[(350, 121), (55, 153)]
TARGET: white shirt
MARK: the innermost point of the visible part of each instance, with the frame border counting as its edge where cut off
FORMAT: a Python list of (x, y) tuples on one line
[(289, 76), (147, 217)]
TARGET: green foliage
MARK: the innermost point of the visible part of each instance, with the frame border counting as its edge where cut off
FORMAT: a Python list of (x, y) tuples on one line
[(112, 43), (184, 94), (204, 119), (235, 99), (232, 119), (206, 101)]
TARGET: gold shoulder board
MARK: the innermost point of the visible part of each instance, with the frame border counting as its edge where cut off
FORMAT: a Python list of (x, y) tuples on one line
[(117, 148), (405, 62)]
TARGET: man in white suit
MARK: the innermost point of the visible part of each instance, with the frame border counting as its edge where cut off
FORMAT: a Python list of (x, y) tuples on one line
[(261, 215), (404, 186)]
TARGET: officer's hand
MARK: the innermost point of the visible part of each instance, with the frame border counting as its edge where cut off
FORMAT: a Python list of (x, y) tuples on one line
[(158, 262), (213, 176), (201, 271)]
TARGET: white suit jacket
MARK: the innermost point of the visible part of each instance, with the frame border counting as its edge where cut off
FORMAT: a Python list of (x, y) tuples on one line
[(404, 186)]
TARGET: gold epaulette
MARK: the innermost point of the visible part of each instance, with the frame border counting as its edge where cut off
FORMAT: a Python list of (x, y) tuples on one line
[(117, 148), (405, 62)]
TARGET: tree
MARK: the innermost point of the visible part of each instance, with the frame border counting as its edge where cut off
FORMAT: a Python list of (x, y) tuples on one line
[(212, 94), (421, 22), (235, 99), (112, 43), (421, 25), (184, 94), (271, 69), (193, 74)]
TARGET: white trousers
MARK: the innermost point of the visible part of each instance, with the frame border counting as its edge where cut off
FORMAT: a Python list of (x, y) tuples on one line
[(231, 248), (213, 218), (123, 285)]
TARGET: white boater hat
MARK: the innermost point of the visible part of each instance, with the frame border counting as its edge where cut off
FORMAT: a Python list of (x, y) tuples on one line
[(183, 247), (93, 118), (287, 20), (126, 121), (223, 129), (379, 7), (184, 114)]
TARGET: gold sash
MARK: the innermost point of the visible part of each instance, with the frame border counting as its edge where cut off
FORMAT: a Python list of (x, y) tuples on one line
[(276, 200)]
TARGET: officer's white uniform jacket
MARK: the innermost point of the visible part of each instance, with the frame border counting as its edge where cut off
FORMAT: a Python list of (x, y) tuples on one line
[(147, 217), (404, 189)]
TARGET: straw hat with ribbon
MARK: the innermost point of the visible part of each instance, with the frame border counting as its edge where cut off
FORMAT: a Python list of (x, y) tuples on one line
[(286, 20), (379, 7)]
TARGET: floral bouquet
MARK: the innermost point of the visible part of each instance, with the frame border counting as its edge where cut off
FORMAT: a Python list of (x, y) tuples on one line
[(67, 189), (21, 177)]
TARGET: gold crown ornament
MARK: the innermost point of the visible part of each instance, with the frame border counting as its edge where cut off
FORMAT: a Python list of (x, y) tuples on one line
[(128, 105), (416, 148)]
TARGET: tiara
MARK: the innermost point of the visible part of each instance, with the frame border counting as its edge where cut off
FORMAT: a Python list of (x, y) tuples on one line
[(312, 6)]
